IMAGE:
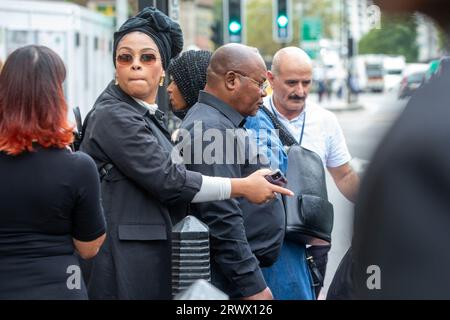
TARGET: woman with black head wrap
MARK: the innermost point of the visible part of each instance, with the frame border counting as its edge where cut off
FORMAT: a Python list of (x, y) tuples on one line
[(142, 189)]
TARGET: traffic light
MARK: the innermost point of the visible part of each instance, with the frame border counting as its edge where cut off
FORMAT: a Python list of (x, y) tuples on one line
[(233, 13), (282, 24), (217, 34)]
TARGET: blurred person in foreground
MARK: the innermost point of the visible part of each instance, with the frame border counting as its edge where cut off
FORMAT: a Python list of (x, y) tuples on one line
[(402, 216), (143, 190), (50, 196)]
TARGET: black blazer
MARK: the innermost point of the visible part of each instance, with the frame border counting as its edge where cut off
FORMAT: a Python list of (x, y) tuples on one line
[(138, 194)]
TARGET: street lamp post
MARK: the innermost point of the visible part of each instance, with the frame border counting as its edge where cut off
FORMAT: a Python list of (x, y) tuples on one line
[(349, 42)]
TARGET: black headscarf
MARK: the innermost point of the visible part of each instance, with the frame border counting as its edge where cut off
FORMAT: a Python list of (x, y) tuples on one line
[(164, 31), (189, 73)]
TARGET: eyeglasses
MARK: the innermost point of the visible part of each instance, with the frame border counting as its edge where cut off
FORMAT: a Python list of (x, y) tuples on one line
[(127, 59), (262, 86)]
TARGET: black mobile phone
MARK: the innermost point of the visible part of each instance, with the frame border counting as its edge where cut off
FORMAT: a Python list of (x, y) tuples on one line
[(277, 177)]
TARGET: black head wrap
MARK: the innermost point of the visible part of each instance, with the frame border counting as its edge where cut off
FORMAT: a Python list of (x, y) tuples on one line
[(164, 31), (189, 73)]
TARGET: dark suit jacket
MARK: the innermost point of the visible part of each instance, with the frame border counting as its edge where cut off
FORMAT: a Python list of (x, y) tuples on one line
[(402, 216), (138, 193), (243, 235)]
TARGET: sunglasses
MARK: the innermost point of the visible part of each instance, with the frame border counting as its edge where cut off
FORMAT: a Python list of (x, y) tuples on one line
[(126, 59)]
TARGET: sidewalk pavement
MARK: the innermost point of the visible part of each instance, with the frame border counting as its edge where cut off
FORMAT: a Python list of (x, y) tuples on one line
[(339, 105), (334, 104)]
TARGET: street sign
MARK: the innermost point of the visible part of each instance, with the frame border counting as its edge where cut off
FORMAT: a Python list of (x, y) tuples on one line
[(311, 28)]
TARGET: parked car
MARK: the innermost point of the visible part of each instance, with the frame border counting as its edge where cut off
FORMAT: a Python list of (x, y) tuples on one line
[(410, 83)]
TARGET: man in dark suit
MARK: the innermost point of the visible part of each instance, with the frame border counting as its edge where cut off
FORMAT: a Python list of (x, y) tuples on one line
[(402, 216), (244, 237)]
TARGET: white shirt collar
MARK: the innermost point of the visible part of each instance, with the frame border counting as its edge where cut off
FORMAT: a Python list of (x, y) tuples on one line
[(151, 107)]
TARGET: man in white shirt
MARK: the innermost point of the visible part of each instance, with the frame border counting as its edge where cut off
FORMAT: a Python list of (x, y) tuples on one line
[(291, 79)]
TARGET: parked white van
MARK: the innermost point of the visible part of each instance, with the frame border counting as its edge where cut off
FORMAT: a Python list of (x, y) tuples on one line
[(82, 38)]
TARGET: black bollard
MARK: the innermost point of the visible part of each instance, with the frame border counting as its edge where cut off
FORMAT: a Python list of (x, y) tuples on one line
[(190, 253)]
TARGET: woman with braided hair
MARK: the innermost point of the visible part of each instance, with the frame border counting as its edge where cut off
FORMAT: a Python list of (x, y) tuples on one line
[(188, 76)]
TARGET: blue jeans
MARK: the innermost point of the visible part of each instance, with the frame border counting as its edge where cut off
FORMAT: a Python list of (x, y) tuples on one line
[(289, 277)]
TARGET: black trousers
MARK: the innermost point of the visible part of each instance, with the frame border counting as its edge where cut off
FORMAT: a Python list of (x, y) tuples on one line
[(319, 255)]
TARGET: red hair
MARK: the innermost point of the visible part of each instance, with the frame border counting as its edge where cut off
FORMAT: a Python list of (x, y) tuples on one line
[(32, 104)]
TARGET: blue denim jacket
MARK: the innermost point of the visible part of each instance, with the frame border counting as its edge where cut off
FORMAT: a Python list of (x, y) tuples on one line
[(262, 127)]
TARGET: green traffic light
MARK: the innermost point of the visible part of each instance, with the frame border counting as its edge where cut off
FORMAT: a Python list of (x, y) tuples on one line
[(282, 21), (234, 27)]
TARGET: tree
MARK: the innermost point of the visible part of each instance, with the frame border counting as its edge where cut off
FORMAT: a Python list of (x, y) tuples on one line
[(259, 26), (397, 36)]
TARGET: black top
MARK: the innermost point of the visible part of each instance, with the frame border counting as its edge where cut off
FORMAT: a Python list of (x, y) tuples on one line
[(47, 198), (244, 236)]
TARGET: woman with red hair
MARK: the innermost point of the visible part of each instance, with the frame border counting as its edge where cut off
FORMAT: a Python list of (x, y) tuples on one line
[(49, 196)]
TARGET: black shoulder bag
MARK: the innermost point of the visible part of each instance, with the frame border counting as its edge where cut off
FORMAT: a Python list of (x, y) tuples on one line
[(309, 215)]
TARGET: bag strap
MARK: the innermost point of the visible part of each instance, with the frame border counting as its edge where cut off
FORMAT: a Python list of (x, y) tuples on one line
[(104, 170), (316, 275), (81, 128), (78, 133), (78, 120), (285, 136)]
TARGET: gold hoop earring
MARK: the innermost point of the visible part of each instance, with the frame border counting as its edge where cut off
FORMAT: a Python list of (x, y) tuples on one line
[(161, 81)]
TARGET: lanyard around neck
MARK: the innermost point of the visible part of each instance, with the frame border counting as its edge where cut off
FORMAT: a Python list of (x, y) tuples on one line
[(304, 120)]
